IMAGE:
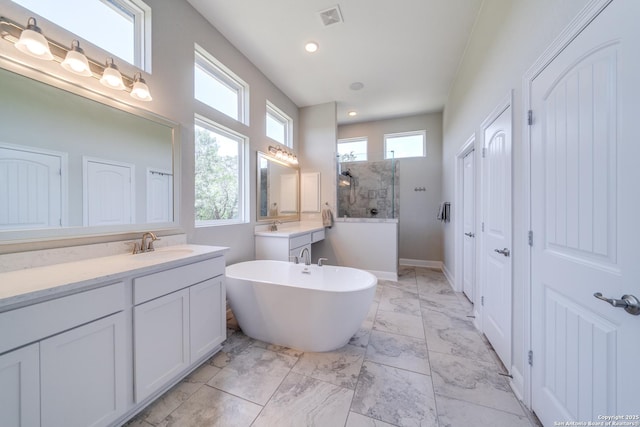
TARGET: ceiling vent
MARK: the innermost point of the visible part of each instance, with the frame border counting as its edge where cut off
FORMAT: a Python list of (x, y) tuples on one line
[(331, 16)]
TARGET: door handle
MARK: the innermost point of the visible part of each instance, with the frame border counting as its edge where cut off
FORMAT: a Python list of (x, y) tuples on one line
[(469, 234), (505, 251), (630, 303)]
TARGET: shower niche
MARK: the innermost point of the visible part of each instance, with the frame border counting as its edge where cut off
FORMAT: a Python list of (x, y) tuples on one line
[(368, 189)]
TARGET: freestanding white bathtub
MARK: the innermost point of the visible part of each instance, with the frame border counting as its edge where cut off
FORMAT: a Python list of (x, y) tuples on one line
[(308, 308)]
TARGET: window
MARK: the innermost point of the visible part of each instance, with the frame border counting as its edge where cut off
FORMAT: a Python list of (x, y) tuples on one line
[(352, 149), (121, 27), (218, 87), (279, 126), (405, 144), (220, 195)]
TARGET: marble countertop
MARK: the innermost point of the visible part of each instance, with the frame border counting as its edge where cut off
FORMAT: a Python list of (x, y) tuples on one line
[(30, 285), (290, 229)]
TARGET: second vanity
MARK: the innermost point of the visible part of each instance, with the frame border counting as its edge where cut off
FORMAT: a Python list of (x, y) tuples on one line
[(93, 342), (287, 241)]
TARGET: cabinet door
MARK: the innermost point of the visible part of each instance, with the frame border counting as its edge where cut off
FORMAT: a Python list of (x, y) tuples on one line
[(20, 387), (83, 375), (207, 316), (161, 341)]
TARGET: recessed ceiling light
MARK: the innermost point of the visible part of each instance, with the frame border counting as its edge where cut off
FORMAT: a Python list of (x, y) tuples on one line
[(356, 85), (311, 47), (352, 114)]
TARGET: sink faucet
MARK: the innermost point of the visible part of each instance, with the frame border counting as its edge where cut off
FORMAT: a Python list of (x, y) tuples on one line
[(307, 258), (274, 225), (147, 247)]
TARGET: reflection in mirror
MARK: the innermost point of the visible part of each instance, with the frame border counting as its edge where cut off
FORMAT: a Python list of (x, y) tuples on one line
[(278, 185), (68, 161)]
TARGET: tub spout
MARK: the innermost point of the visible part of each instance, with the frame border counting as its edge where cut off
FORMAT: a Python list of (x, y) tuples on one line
[(304, 254)]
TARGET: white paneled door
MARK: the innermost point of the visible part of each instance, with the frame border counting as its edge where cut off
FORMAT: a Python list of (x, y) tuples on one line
[(159, 196), (108, 192), (31, 191), (584, 214), (496, 247), (468, 225)]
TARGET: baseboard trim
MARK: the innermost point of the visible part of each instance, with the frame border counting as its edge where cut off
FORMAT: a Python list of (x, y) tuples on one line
[(449, 276), (517, 383), (421, 263), (385, 275)]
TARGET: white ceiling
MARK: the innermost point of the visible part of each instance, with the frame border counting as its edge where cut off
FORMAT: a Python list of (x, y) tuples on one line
[(405, 52)]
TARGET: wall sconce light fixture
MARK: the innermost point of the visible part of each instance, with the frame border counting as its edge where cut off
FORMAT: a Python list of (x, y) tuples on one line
[(283, 155), (111, 76), (75, 61), (140, 90), (32, 42)]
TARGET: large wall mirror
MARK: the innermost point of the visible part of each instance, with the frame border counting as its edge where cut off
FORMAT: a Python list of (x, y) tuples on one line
[(278, 190), (72, 166)]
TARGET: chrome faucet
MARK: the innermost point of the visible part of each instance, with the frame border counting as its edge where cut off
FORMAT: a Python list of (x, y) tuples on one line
[(307, 258), (147, 247)]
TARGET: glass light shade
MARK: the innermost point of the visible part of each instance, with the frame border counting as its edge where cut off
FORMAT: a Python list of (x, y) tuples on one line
[(111, 77), (75, 61), (33, 43), (140, 90)]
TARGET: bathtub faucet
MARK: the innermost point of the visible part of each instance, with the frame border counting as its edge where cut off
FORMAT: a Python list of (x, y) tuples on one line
[(307, 258)]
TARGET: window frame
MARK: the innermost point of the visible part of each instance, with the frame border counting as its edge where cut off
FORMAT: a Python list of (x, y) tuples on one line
[(351, 140), (421, 132), (218, 71), (287, 123), (243, 172), (141, 14)]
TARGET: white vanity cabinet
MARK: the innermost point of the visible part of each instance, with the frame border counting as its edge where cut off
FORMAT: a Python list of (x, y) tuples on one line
[(74, 343), (207, 317), (283, 245), (91, 342), (179, 318), (73, 364), (20, 387)]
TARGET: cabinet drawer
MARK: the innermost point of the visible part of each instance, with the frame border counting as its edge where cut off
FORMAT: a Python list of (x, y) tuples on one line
[(28, 324), (155, 285), (296, 242), (316, 236)]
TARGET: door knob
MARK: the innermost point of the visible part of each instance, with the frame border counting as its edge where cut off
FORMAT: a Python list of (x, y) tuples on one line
[(505, 251), (630, 303), (469, 234)]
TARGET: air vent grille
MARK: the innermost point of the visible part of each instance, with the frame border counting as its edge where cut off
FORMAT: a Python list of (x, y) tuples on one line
[(331, 16)]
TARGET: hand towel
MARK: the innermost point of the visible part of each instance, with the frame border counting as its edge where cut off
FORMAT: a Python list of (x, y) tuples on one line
[(327, 217)]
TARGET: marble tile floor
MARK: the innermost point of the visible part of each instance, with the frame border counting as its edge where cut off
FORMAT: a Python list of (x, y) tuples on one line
[(417, 360)]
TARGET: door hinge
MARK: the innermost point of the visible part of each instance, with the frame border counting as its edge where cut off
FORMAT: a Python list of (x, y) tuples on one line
[(482, 300), (483, 227), (530, 357), (484, 152), (60, 172), (530, 117), (530, 238)]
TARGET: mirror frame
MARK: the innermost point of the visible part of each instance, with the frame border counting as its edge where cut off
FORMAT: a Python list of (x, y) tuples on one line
[(285, 218), (101, 233)]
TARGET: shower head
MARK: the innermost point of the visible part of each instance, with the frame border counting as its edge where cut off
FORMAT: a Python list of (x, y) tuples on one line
[(346, 173)]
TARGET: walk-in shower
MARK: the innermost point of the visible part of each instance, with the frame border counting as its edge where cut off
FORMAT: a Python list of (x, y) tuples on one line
[(368, 189)]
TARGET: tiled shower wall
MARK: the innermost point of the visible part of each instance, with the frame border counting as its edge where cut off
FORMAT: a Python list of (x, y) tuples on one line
[(375, 189)]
